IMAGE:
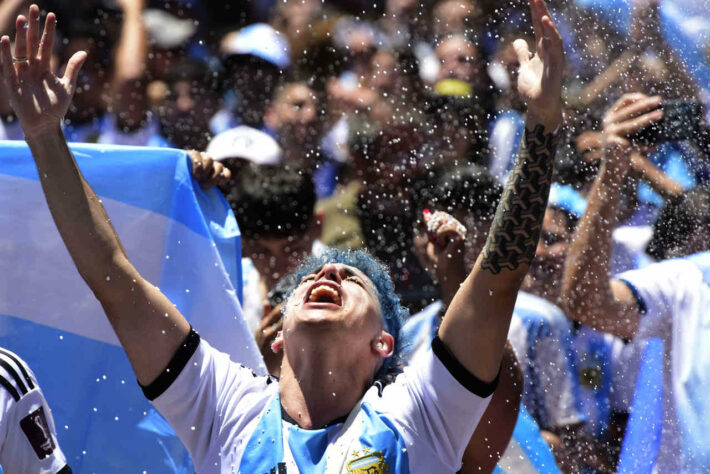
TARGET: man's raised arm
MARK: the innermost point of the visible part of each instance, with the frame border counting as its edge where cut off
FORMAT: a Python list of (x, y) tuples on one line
[(589, 295), (476, 324), (148, 326)]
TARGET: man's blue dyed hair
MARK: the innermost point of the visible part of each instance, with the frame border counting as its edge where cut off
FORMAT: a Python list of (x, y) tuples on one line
[(393, 313)]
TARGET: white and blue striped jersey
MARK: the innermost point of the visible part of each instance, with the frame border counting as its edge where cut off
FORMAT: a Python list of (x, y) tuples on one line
[(28, 439), (674, 301), (542, 339), (231, 420), (604, 379)]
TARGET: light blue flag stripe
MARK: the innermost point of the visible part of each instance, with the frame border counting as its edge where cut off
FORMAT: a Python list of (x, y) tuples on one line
[(181, 238), (528, 450), (643, 430)]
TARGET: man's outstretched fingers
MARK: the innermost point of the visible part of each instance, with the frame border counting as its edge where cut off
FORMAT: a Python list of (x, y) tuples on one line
[(73, 67), (551, 33), (537, 12), (33, 33), (21, 38), (639, 123), (8, 69), (625, 100), (47, 43), (637, 108)]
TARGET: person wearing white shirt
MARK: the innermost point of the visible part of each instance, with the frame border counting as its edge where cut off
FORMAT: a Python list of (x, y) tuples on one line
[(337, 407), (665, 303), (28, 437)]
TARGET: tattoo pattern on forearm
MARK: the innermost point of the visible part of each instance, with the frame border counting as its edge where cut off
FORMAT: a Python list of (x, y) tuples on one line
[(515, 231)]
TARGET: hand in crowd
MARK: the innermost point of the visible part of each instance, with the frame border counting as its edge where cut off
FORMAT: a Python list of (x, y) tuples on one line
[(206, 171), (39, 97), (630, 114), (540, 77), (445, 251)]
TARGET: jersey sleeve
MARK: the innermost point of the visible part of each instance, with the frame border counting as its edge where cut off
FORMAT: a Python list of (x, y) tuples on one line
[(28, 438), (199, 384), (658, 290), (437, 404)]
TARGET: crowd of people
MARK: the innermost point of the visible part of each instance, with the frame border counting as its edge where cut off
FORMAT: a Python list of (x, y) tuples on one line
[(333, 126)]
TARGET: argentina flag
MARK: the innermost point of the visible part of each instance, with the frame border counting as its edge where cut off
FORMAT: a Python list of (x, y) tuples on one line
[(179, 237)]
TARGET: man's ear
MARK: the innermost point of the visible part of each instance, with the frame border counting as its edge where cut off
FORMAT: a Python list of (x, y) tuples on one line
[(278, 344), (383, 345)]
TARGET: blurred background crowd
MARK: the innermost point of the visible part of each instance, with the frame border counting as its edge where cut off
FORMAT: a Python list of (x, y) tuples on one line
[(342, 121)]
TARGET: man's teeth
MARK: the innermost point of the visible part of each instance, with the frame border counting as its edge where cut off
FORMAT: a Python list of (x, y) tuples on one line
[(324, 294)]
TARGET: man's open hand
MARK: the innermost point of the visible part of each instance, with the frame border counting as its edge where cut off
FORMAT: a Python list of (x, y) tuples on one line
[(39, 98), (540, 77), (630, 114)]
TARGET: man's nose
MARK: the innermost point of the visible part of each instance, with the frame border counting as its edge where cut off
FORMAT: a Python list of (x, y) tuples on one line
[(329, 272)]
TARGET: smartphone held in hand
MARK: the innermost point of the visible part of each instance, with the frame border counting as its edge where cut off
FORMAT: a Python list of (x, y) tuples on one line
[(681, 121)]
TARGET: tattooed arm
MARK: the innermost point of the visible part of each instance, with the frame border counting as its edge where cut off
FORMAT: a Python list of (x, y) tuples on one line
[(476, 323)]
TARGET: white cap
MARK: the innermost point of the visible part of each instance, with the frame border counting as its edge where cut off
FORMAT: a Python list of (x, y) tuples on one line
[(246, 143), (168, 31), (259, 40)]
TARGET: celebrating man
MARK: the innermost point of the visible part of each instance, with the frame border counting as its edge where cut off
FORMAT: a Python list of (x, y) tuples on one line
[(338, 407)]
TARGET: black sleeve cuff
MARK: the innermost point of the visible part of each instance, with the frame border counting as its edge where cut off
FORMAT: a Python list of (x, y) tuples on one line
[(65, 470), (177, 363), (460, 373)]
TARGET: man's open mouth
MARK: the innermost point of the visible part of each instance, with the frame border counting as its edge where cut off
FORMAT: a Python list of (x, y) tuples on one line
[(324, 292)]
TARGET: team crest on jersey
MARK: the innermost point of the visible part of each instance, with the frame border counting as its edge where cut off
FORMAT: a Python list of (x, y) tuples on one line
[(366, 462), (591, 377)]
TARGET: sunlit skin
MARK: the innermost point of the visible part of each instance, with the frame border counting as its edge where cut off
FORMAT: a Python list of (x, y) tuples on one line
[(327, 368), (314, 336)]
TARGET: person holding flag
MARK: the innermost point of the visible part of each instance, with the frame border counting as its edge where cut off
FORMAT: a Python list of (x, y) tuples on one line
[(340, 405)]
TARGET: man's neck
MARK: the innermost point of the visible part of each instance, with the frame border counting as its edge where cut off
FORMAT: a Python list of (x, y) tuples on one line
[(319, 385)]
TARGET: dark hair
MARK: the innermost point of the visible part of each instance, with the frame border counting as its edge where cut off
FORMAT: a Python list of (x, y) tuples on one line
[(470, 188), (393, 313), (272, 201), (677, 221), (207, 73)]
